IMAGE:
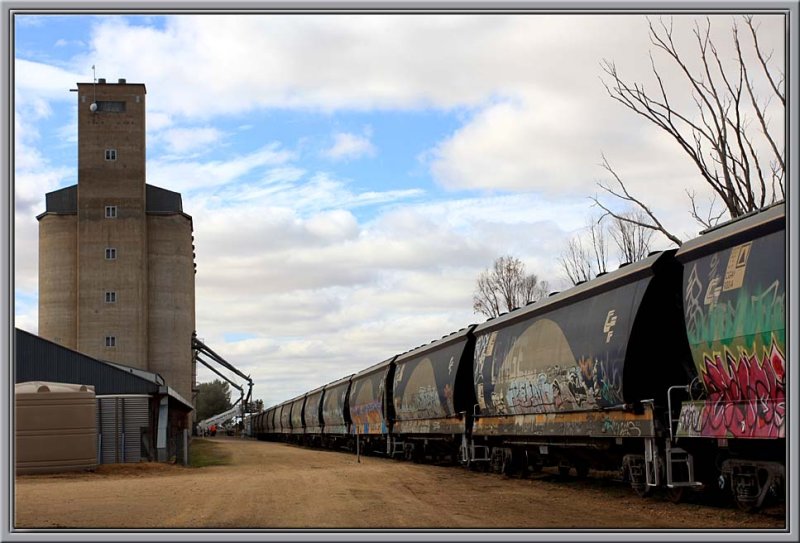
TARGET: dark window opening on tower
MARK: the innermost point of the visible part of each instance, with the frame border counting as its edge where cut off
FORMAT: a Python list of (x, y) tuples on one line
[(111, 154), (111, 341), (111, 253), (111, 212), (111, 297), (106, 105)]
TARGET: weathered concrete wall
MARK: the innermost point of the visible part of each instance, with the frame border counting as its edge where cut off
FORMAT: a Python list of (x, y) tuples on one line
[(121, 183), (58, 276), (171, 299)]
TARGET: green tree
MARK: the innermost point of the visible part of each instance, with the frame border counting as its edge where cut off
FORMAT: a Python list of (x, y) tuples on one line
[(212, 398)]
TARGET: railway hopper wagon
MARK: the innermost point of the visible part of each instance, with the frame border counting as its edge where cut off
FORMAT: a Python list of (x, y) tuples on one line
[(336, 422), (371, 408), (312, 417), (272, 423), (259, 431), (296, 430), (284, 427), (432, 395), (733, 420), (580, 379)]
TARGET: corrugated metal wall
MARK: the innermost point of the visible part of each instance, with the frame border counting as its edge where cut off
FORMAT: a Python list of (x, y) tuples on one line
[(40, 360), (121, 421), (162, 200), (63, 200)]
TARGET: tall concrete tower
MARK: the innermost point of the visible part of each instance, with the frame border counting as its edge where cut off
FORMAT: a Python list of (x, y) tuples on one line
[(116, 258)]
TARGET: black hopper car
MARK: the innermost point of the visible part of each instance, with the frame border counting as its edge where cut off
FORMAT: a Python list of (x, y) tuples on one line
[(671, 369)]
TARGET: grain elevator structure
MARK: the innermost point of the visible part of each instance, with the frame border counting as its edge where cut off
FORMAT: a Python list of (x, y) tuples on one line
[(116, 255)]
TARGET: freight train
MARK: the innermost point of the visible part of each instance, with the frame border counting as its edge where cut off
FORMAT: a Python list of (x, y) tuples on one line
[(670, 369)]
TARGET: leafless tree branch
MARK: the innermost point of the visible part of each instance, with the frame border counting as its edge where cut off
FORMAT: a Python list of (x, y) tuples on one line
[(716, 136), (655, 224)]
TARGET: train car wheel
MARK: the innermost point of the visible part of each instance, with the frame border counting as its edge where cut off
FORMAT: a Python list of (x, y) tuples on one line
[(582, 470), (510, 461), (497, 460)]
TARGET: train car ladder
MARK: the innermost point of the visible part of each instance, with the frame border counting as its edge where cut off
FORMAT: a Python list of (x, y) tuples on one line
[(469, 452), (680, 457), (394, 447), (677, 456), (651, 471)]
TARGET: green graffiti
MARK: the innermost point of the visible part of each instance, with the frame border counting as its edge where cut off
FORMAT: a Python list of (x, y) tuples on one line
[(746, 321)]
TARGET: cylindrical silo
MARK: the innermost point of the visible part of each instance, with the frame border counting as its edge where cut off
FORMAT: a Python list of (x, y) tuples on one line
[(58, 269), (171, 299)]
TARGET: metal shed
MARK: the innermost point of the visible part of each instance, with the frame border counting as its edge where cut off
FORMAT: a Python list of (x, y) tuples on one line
[(167, 413)]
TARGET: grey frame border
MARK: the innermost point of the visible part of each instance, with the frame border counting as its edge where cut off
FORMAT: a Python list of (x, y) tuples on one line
[(161, 7)]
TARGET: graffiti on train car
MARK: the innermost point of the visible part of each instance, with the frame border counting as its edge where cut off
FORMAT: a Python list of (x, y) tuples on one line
[(423, 388), (735, 319), (367, 412), (588, 384), (570, 358), (450, 425), (589, 424), (417, 394), (366, 404), (746, 397)]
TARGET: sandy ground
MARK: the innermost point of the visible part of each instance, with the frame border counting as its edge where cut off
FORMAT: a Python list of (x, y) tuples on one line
[(273, 485)]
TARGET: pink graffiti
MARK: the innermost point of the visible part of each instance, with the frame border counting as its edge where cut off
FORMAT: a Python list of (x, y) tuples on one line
[(745, 398)]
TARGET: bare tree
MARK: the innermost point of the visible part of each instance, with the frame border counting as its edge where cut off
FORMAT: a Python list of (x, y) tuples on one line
[(587, 252), (584, 259), (632, 240), (718, 135), (576, 262), (506, 286)]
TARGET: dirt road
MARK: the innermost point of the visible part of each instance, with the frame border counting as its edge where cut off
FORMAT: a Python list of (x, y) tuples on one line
[(272, 485)]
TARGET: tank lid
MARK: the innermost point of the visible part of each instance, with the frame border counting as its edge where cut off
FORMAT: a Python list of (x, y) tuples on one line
[(32, 387)]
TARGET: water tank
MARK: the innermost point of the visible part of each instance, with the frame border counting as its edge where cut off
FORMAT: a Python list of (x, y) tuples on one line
[(56, 428)]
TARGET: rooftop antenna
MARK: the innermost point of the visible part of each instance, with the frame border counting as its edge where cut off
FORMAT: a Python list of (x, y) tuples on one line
[(93, 106)]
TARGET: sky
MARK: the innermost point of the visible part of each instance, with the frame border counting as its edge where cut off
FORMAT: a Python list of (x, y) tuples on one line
[(349, 176)]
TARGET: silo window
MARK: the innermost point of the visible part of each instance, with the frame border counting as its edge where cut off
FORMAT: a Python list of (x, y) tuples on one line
[(111, 154), (111, 253), (111, 212), (111, 341), (111, 297), (109, 105)]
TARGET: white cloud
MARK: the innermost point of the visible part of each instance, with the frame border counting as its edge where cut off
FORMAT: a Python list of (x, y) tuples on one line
[(43, 81), (183, 176), (356, 61), (61, 42), (193, 140), (349, 146)]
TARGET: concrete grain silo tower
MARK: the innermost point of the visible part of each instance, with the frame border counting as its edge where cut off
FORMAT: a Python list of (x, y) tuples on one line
[(116, 255)]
